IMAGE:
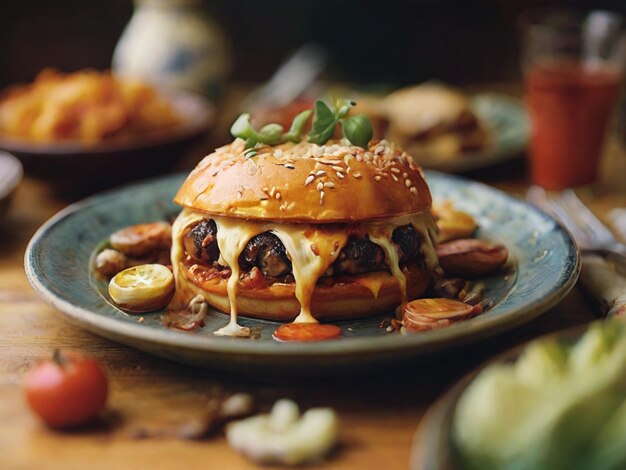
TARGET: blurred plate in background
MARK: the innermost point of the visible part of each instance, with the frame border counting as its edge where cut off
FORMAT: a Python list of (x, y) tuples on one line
[(509, 129), (76, 167)]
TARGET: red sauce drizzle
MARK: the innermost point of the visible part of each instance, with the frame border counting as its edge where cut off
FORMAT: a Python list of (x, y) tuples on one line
[(306, 332)]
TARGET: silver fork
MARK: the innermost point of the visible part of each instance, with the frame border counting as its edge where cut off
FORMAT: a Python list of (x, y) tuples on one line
[(590, 234)]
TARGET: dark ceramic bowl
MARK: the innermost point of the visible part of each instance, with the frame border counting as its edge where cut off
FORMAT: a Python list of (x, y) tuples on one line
[(79, 168)]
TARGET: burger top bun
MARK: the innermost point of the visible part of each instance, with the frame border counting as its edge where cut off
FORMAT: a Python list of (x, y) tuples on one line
[(305, 182)]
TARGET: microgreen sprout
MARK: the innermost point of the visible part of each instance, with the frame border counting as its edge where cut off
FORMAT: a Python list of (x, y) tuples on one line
[(357, 129)]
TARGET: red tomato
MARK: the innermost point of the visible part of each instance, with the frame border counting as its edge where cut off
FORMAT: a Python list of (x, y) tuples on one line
[(306, 332), (66, 391)]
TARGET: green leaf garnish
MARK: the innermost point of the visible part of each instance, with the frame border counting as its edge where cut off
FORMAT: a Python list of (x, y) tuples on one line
[(358, 130), (297, 126), (324, 122), (242, 127), (271, 134)]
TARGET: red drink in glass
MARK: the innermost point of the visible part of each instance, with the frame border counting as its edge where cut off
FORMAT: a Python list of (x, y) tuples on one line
[(570, 106)]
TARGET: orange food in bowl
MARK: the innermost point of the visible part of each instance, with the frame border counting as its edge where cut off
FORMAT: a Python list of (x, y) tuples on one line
[(87, 106)]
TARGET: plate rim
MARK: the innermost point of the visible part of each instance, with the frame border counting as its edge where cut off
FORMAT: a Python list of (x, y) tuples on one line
[(461, 333)]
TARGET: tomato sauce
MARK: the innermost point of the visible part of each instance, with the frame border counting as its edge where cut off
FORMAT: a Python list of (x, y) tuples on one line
[(306, 332), (570, 106)]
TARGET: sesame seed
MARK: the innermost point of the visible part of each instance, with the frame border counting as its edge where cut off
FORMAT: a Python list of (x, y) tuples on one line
[(324, 161), (320, 186), (337, 168), (265, 190), (359, 158), (348, 170), (340, 175), (329, 184), (356, 174), (405, 175), (408, 183), (272, 191), (290, 166), (395, 178), (347, 159), (277, 196), (377, 178), (380, 149), (395, 170), (309, 180), (239, 194), (320, 173), (414, 190), (321, 197)]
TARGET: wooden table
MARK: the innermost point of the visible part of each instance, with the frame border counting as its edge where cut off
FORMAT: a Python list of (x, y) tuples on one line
[(379, 412)]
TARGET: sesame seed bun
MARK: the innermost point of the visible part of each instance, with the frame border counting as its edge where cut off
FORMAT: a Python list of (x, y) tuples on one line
[(343, 300), (305, 182)]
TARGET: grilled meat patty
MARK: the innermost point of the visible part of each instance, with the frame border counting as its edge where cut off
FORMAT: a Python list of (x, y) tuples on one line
[(360, 255), (408, 242), (201, 242), (267, 252)]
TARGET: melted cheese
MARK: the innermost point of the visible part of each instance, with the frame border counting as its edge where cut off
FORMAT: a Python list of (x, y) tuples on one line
[(233, 236), (311, 249), (311, 253)]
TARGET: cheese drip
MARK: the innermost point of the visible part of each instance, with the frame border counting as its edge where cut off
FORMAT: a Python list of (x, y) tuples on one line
[(232, 237), (311, 248), (311, 252), (185, 219), (381, 233)]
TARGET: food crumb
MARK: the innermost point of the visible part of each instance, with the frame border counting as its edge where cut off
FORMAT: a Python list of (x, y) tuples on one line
[(141, 320)]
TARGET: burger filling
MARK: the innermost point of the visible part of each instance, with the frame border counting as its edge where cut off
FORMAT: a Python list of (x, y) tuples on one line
[(267, 253)]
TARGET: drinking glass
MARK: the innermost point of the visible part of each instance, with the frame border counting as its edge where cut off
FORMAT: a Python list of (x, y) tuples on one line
[(573, 64)]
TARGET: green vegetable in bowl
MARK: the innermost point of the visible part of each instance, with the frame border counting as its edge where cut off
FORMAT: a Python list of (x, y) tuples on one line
[(559, 406)]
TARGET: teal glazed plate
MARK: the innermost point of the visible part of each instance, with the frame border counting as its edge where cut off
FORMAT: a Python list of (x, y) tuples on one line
[(543, 266), (509, 129)]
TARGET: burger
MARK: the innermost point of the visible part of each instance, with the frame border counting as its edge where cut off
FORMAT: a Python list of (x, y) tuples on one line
[(305, 232)]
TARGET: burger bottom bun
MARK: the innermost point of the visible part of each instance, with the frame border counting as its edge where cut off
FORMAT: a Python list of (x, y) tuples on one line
[(342, 301)]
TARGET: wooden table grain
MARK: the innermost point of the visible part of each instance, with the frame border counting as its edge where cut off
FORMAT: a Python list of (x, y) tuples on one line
[(379, 412)]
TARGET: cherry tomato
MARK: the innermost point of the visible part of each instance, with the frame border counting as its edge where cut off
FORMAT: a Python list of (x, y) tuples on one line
[(306, 332), (66, 391)]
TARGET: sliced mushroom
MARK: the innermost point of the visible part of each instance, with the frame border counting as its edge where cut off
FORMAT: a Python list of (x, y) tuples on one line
[(471, 258)]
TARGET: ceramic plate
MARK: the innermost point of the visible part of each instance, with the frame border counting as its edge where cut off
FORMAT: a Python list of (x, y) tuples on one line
[(543, 266), (508, 125)]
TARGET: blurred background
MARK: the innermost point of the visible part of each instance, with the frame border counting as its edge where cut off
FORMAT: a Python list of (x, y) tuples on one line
[(392, 41), (224, 50)]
